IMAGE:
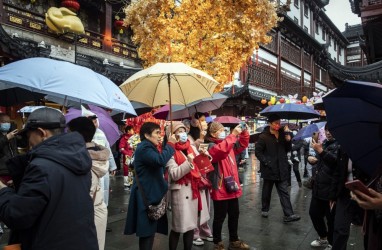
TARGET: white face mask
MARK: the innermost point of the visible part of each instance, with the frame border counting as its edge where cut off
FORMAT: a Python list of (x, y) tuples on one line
[(183, 137), (222, 135)]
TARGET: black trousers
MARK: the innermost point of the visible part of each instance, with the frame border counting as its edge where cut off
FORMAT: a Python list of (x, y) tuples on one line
[(347, 211), (282, 190), (296, 172), (318, 211), (146, 243), (221, 209)]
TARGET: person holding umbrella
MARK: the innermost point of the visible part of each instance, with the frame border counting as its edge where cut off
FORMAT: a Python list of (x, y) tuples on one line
[(271, 150)]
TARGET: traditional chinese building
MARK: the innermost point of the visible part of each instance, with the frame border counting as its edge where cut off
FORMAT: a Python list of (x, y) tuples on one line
[(295, 62)]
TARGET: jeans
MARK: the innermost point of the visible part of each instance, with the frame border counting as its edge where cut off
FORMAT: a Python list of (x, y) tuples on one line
[(221, 209), (282, 190)]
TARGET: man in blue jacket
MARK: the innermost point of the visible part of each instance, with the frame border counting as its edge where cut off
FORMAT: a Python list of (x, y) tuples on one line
[(50, 207)]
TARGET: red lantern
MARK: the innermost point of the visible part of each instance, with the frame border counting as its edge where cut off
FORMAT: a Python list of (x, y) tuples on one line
[(282, 100), (118, 24), (263, 101), (73, 5)]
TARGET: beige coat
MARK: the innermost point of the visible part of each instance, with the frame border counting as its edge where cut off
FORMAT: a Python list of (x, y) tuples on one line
[(100, 166), (184, 209)]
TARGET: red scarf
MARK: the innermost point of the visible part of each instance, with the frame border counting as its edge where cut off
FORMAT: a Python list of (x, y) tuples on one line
[(193, 176)]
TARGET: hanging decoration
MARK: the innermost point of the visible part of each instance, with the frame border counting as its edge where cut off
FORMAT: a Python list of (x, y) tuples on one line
[(118, 24), (263, 101), (73, 5), (236, 28)]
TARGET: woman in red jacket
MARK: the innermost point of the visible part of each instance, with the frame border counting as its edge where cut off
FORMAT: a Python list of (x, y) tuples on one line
[(226, 189), (127, 152)]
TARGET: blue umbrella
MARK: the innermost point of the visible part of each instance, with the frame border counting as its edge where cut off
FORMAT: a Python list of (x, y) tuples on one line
[(290, 111), (354, 115), (64, 81), (308, 131)]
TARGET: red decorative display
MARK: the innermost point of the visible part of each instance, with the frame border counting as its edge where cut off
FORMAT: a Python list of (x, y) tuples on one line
[(138, 121), (73, 5), (118, 24)]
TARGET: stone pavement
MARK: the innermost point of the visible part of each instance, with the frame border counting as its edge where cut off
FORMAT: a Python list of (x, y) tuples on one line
[(260, 233)]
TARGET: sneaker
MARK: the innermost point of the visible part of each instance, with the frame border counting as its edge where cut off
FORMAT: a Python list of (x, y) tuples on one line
[(264, 214), (290, 218), (208, 238), (219, 246), (127, 188), (198, 242), (319, 243), (233, 245), (329, 247)]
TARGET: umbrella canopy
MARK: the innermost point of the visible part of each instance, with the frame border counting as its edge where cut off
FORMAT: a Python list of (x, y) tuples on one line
[(13, 96), (354, 114), (29, 109), (183, 111), (228, 120), (169, 83), (106, 124), (290, 111), (308, 131), (64, 81)]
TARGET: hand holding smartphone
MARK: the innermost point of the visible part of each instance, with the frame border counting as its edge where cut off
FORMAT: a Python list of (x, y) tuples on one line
[(357, 185)]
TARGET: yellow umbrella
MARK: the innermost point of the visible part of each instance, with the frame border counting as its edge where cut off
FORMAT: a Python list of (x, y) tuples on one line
[(169, 83)]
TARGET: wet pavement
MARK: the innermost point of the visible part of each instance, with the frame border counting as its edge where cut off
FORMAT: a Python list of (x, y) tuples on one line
[(260, 233)]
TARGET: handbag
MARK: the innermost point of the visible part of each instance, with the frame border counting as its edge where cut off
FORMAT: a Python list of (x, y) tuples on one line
[(203, 163), (154, 212), (230, 184), (204, 183), (229, 181)]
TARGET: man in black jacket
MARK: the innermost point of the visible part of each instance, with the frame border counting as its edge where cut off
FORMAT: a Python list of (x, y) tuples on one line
[(271, 150), (51, 207)]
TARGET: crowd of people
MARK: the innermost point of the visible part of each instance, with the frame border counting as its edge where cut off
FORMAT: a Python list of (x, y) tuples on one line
[(55, 196)]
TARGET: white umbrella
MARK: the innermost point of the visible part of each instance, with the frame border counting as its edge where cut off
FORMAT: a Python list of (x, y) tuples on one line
[(169, 83)]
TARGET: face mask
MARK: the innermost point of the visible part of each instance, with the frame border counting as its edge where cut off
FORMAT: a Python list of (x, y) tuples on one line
[(276, 127), (5, 127), (222, 135), (182, 136)]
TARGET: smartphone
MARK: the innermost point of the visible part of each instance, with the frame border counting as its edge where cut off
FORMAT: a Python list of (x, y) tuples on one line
[(357, 185), (243, 125), (203, 147)]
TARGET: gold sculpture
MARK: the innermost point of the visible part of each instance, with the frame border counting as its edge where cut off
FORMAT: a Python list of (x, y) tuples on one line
[(62, 20)]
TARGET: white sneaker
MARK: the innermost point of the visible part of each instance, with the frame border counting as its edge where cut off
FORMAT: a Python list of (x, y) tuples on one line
[(319, 243), (329, 247), (208, 238), (198, 242)]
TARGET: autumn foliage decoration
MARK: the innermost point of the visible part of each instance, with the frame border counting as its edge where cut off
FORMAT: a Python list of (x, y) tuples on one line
[(216, 36)]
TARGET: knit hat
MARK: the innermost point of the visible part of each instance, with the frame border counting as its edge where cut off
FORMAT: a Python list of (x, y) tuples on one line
[(273, 118), (215, 126), (175, 126)]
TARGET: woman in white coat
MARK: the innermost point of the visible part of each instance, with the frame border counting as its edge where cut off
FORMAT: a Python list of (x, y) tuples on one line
[(186, 198)]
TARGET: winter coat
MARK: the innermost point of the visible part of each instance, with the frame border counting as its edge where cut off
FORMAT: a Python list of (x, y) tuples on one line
[(52, 208), (100, 166), (184, 208), (8, 149), (223, 157), (125, 148), (325, 185), (149, 166), (272, 154)]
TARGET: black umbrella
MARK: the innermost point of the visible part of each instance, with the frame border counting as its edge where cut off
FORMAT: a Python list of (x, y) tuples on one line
[(13, 96), (354, 115)]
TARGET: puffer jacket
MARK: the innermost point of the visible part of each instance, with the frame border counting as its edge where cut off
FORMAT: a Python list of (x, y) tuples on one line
[(223, 155), (325, 185)]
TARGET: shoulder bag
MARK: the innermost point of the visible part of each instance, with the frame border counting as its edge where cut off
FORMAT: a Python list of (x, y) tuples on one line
[(154, 212)]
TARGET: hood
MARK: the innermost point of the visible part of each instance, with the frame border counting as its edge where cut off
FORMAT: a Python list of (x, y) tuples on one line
[(68, 150)]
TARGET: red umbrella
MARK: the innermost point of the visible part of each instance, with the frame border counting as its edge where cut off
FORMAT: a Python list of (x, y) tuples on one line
[(227, 120)]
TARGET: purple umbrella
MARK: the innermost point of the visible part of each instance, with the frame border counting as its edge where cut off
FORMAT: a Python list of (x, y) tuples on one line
[(106, 124)]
